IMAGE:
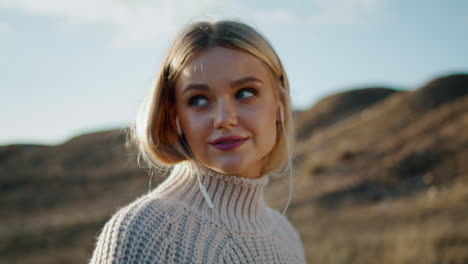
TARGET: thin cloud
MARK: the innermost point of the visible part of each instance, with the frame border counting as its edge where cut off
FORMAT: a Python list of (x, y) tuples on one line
[(147, 23), (277, 16), (343, 12), (132, 23), (325, 12)]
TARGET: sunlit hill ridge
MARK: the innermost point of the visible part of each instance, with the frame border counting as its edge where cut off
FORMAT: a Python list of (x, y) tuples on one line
[(381, 175)]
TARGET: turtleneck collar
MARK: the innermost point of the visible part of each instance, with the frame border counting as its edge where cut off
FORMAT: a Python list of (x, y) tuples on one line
[(238, 202)]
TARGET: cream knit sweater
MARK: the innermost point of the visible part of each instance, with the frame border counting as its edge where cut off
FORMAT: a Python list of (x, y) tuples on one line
[(173, 224)]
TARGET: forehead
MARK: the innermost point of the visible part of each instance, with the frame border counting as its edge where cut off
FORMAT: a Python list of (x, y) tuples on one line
[(218, 66)]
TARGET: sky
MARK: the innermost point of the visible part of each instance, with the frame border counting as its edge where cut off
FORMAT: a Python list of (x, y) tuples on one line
[(69, 67)]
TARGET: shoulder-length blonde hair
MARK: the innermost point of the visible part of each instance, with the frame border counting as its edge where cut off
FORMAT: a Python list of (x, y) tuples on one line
[(155, 132)]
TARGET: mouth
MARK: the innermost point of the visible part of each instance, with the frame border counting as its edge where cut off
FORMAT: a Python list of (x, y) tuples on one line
[(228, 143)]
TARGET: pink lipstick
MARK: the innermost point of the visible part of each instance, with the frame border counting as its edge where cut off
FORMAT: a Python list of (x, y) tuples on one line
[(228, 143)]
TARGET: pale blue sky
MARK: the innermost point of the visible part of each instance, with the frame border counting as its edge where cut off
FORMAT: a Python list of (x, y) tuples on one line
[(69, 67)]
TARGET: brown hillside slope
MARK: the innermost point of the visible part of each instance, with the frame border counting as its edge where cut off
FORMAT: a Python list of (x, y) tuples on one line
[(389, 182), (403, 136), (340, 106), (384, 180), (54, 199)]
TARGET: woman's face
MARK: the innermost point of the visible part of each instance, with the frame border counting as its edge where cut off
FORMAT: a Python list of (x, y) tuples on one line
[(227, 110)]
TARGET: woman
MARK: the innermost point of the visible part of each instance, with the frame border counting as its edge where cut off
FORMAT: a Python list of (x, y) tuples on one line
[(220, 115)]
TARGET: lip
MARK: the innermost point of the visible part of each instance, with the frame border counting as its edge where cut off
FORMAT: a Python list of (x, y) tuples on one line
[(228, 143)]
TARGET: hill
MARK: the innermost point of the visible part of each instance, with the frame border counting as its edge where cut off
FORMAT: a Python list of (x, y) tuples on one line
[(381, 174), (388, 182)]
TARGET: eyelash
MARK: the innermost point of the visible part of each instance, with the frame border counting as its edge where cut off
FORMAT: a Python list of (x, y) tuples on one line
[(192, 99)]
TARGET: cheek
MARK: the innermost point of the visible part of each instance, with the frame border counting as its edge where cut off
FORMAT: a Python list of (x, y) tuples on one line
[(195, 129), (264, 125)]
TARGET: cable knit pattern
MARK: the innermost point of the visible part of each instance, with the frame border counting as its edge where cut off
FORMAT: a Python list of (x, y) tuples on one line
[(173, 224)]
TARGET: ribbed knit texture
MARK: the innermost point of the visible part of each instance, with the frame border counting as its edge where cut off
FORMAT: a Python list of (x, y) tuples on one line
[(173, 224)]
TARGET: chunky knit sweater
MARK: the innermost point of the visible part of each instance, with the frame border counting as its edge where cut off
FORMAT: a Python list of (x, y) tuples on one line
[(173, 224)]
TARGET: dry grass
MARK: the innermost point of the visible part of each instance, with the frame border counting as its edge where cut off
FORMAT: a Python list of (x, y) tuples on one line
[(383, 182), (430, 227)]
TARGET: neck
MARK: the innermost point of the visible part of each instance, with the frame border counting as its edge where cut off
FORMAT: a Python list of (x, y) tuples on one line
[(237, 202)]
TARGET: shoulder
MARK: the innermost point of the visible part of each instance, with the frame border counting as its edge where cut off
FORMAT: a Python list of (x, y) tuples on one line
[(285, 230), (279, 219), (137, 232)]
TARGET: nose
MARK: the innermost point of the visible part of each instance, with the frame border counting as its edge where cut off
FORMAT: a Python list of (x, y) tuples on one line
[(226, 114)]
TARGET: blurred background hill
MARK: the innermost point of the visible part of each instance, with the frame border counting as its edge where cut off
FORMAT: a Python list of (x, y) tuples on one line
[(381, 175)]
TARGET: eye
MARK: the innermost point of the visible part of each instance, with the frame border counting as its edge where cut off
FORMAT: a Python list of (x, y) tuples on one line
[(198, 101), (246, 93)]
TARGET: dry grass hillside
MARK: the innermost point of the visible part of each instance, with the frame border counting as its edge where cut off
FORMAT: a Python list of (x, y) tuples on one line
[(381, 175)]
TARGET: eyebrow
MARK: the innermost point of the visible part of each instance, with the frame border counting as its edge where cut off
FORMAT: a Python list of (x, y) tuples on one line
[(204, 87), (245, 80)]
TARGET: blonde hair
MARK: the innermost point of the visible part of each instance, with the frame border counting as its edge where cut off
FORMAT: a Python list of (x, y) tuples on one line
[(155, 132)]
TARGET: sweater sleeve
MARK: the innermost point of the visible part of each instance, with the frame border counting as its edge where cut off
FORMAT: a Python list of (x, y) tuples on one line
[(290, 237), (107, 250), (138, 233)]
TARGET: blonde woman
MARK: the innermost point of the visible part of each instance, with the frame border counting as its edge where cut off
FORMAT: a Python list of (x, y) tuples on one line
[(220, 115)]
